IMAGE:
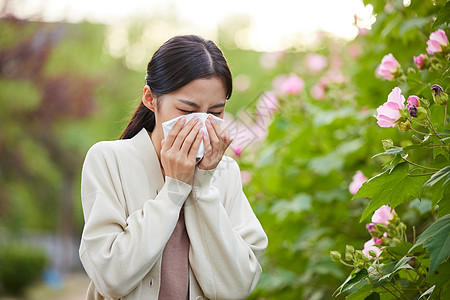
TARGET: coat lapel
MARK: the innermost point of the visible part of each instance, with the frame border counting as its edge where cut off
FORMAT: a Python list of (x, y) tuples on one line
[(146, 150)]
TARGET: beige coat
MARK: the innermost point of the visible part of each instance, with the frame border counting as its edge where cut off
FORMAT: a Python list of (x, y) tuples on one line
[(130, 211)]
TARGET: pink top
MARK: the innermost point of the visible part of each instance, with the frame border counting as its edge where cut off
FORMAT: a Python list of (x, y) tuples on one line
[(175, 264)]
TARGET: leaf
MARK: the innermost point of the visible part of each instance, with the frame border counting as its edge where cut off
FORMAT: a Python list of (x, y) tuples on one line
[(361, 293), (403, 264), (441, 277), (436, 239), (394, 150), (443, 16), (443, 173), (393, 189), (353, 280), (444, 204), (297, 204), (427, 292), (373, 296)]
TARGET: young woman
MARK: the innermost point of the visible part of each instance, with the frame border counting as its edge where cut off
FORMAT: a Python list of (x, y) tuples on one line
[(159, 224)]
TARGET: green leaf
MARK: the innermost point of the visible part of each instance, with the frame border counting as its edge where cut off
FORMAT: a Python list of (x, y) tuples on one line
[(443, 173), (361, 293), (441, 277), (394, 150), (352, 281), (436, 239), (373, 296), (442, 17), (444, 203), (389, 188), (297, 204), (427, 292)]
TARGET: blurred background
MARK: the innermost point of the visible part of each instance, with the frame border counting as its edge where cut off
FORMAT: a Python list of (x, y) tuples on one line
[(71, 74)]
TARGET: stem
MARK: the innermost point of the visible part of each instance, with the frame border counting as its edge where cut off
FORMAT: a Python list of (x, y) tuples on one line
[(418, 123), (414, 234), (420, 166), (424, 174), (346, 264), (419, 132), (445, 115), (434, 131), (417, 139)]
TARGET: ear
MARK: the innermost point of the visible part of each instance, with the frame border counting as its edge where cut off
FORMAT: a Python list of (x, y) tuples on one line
[(148, 99)]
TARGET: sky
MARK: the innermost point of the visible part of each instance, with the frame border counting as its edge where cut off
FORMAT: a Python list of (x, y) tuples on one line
[(273, 23)]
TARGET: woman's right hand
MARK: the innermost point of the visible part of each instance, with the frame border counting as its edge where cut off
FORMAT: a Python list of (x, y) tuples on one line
[(179, 150)]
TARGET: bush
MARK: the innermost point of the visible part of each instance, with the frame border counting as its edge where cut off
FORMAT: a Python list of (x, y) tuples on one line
[(20, 266)]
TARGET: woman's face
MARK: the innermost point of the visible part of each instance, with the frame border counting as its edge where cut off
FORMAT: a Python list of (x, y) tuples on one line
[(200, 95)]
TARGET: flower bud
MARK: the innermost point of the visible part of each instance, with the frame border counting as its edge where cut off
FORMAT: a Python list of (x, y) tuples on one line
[(424, 102), (372, 253), (404, 126), (411, 70), (387, 144), (359, 254), (421, 113), (348, 256), (439, 96), (335, 256), (412, 110), (349, 249)]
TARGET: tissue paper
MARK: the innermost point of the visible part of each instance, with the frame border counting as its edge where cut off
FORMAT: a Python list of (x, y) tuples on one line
[(168, 125)]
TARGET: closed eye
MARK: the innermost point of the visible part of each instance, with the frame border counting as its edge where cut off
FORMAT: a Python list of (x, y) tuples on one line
[(215, 113), (185, 111)]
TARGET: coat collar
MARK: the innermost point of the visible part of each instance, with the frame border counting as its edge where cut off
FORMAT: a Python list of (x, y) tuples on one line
[(146, 150)]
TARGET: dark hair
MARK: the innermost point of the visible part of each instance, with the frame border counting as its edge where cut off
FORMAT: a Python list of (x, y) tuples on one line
[(177, 62)]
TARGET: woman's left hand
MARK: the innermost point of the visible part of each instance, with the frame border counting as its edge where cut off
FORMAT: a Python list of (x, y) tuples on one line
[(215, 145)]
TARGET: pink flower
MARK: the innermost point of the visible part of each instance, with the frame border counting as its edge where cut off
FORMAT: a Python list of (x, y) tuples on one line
[(246, 177), (316, 62), (377, 241), (317, 92), (388, 113), (289, 84), (436, 41), (370, 245), (412, 100), (237, 150), (358, 180), (370, 227), (388, 67), (420, 61), (383, 215)]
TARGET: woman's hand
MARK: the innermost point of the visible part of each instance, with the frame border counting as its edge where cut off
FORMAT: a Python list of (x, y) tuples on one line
[(179, 150), (215, 145)]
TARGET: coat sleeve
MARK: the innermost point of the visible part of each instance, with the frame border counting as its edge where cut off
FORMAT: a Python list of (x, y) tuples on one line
[(226, 238), (117, 250)]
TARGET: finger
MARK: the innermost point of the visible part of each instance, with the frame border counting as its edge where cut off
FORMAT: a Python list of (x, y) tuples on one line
[(207, 145), (180, 137), (174, 132), (194, 149), (213, 137), (190, 138), (215, 126)]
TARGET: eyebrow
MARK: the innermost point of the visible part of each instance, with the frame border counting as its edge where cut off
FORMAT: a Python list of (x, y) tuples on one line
[(195, 105)]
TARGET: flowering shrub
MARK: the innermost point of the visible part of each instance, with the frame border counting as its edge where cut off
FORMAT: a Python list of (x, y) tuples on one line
[(305, 171)]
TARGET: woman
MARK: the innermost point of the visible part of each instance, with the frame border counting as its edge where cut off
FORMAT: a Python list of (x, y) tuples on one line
[(159, 224)]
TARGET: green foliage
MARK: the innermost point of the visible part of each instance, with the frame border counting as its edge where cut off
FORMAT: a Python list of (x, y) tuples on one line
[(20, 266), (436, 239), (391, 187)]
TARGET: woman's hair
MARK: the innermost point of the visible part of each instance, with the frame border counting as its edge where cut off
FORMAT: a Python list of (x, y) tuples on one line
[(177, 62)]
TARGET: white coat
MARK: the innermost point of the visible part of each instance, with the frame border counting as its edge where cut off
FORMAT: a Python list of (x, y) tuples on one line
[(130, 211)]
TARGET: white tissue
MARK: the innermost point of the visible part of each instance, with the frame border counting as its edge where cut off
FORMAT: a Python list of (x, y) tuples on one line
[(168, 125)]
